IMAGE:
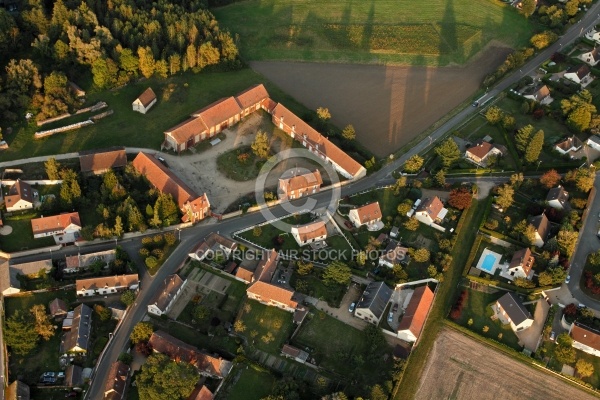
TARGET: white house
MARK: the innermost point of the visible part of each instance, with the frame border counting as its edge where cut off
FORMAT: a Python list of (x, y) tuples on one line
[(512, 311), (20, 197), (585, 339), (106, 285), (167, 294), (213, 245), (542, 228), (64, 228), (521, 264), (310, 233), (481, 150), (81, 262), (365, 215), (394, 254), (594, 142), (577, 73), (593, 35), (430, 211), (557, 198), (146, 100), (569, 145), (415, 315), (541, 94), (373, 302), (591, 58)]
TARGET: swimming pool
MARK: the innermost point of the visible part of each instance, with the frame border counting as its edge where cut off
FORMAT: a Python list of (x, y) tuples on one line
[(489, 263)]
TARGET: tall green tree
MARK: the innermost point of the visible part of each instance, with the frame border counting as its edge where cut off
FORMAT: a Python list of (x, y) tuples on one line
[(141, 332), (448, 152), (528, 7), (505, 196), (413, 164), (146, 61), (523, 137), (52, 167), (337, 273), (534, 148), (20, 334), (260, 146), (161, 378)]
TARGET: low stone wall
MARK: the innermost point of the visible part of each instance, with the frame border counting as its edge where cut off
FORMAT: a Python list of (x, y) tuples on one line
[(71, 127), (98, 106)]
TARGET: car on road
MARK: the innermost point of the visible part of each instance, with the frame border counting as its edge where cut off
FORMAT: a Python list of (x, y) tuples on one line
[(390, 317), (568, 279), (352, 307), (475, 104), (552, 335)]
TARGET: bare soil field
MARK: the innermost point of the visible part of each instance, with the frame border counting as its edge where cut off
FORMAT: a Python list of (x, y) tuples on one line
[(388, 105), (462, 368)]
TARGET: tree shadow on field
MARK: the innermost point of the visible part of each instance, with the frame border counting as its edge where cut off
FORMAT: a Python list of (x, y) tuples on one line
[(368, 29)]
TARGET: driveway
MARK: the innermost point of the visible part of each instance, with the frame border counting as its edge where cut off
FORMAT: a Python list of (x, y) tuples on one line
[(531, 337), (352, 295)]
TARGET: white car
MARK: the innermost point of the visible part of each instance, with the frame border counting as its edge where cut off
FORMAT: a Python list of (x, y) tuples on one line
[(352, 307), (568, 279)]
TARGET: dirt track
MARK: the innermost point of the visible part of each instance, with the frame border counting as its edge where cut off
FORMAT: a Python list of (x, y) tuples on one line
[(462, 368), (388, 105)]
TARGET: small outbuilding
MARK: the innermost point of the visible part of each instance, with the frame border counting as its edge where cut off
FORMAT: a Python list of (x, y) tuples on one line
[(145, 101)]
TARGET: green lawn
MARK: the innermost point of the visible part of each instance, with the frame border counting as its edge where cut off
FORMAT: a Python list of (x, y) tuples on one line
[(477, 307), (435, 32), (43, 358), (229, 164), (262, 320), (268, 233), (21, 237), (178, 97), (253, 383), (465, 237), (388, 201), (28, 300), (314, 286)]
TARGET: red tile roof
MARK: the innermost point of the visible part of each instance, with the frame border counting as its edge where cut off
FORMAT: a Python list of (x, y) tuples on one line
[(218, 112), (369, 212), (147, 97), (199, 205), (316, 140), (58, 307), (432, 206), (480, 149), (55, 222), (244, 274), (187, 129), (163, 179), (523, 258), (116, 381), (201, 393), (107, 281), (417, 310), (268, 292), (266, 266), (164, 295), (301, 182), (19, 191), (587, 336), (252, 96), (102, 160), (312, 231)]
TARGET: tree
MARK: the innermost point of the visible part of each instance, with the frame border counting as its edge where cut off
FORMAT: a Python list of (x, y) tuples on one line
[(412, 224), (201, 312), (534, 148), (448, 152), (583, 178), (440, 178), (125, 358), (304, 267), (260, 146), (572, 7), (460, 198), (52, 167), (528, 7), (128, 297), (239, 326), (494, 115), (421, 255), (505, 196), (550, 179), (337, 273), (413, 164), (404, 207), (43, 325), (141, 332), (564, 354), (377, 393), (103, 312), (543, 39), (118, 229), (567, 239), (508, 121), (146, 61), (20, 334), (529, 234), (323, 114), (161, 378), (523, 137), (432, 271), (349, 133), (400, 183), (584, 369), (257, 231)]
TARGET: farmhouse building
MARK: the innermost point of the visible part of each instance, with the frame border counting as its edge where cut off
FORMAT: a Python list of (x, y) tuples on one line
[(100, 161), (106, 285), (310, 233), (510, 310), (116, 381), (9, 274), (577, 73), (272, 295), (167, 294), (20, 197), (585, 339), (292, 186), (252, 99), (541, 94), (415, 315), (430, 210), (558, 198), (569, 145), (365, 215), (175, 349), (480, 152), (146, 100), (82, 262), (591, 58), (212, 245), (193, 207), (394, 254), (77, 340), (373, 302), (64, 228), (521, 264), (542, 229)]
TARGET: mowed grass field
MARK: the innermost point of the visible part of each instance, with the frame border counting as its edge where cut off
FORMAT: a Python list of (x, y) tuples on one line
[(434, 32)]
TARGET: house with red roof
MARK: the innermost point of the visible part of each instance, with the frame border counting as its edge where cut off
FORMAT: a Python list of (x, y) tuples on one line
[(193, 207), (309, 233), (64, 227), (20, 197), (117, 381), (430, 210), (293, 185), (521, 264), (252, 99), (585, 338), (415, 315), (100, 161), (166, 295), (103, 285), (146, 100), (480, 152), (213, 245), (365, 215)]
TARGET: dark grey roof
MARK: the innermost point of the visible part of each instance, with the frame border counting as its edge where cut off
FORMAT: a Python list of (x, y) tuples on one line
[(558, 193), (375, 297), (79, 335), (73, 376), (514, 308)]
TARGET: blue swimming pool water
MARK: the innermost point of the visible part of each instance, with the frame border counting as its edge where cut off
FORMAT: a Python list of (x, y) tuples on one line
[(488, 263)]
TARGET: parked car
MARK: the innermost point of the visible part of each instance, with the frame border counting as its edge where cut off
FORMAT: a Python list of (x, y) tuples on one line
[(568, 279), (352, 307), (348, 224), (552, 335), (390, 317), (71, 394), (395, 308)]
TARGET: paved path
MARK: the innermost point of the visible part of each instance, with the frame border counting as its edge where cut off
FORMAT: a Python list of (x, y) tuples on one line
[(530, 337)]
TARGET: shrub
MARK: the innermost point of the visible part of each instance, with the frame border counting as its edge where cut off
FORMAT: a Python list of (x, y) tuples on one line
[(144, 252), (158, 239), (158, 253), (170, 238), (146, 240), (151, 262)]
